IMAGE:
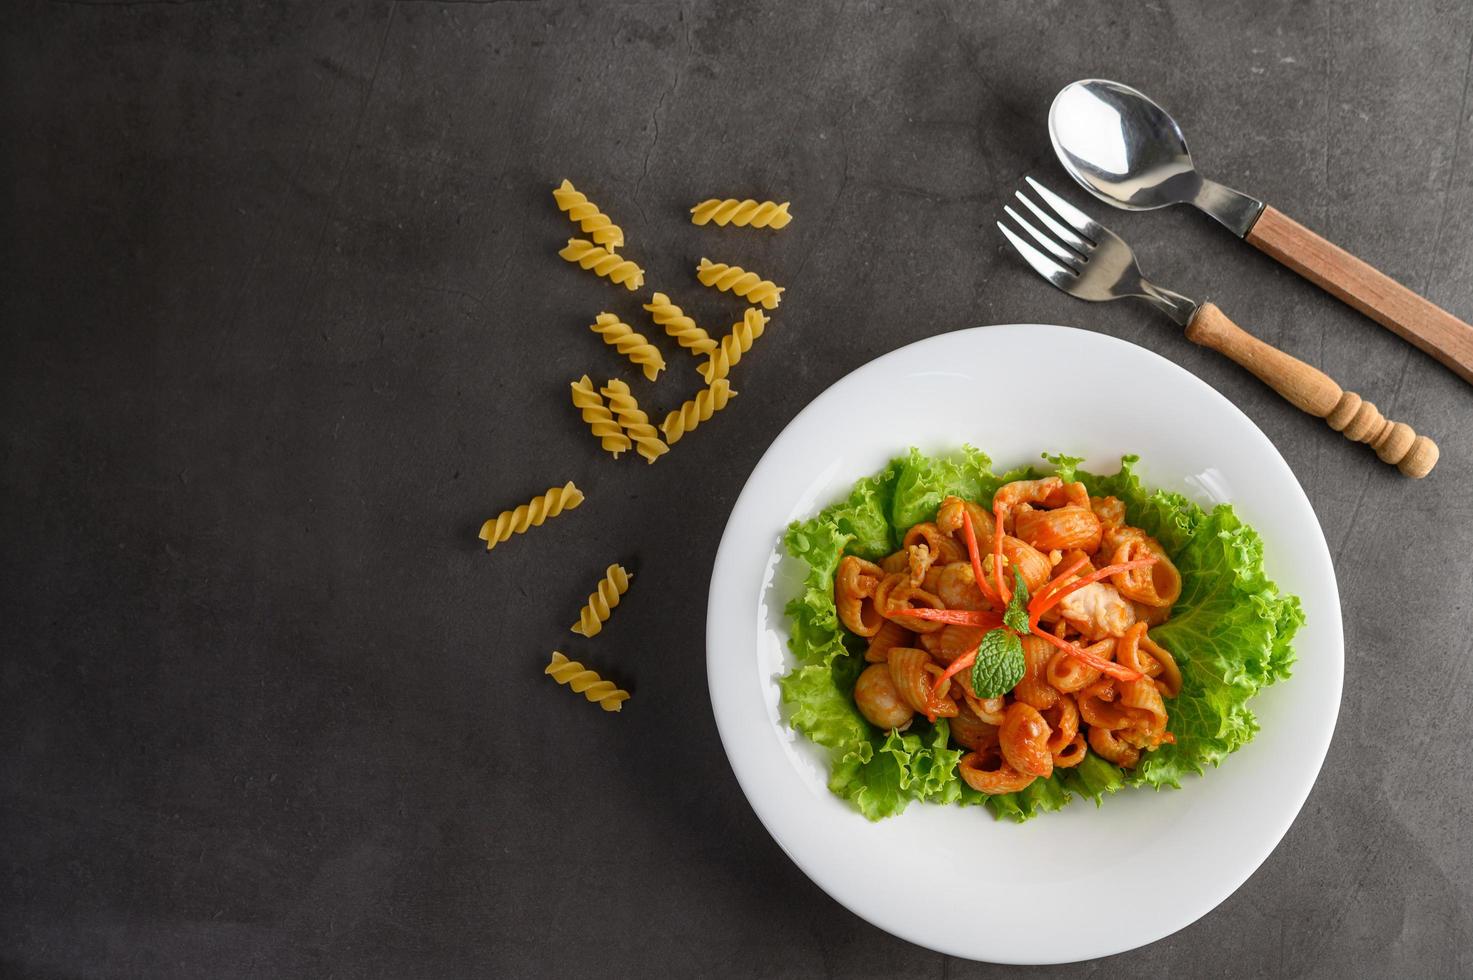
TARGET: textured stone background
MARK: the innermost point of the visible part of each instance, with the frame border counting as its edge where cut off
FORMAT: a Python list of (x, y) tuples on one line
[(282, 324)]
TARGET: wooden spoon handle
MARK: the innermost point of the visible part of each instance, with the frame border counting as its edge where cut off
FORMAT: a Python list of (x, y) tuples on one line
[(1315, 392), (1375, 294)]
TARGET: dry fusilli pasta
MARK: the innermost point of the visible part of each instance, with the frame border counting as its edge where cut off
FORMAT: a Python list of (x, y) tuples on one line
[(741, 213), (700, 408), (617, 333), (594, 222), (637, 424), (587, 400), (601, 603), (586, 682), (680, 326), (734, 344), (531, 514), (735, 279), (603, 262)]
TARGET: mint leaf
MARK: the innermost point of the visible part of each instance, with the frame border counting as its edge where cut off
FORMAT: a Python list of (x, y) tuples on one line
[(1016, 615), (999, 665)]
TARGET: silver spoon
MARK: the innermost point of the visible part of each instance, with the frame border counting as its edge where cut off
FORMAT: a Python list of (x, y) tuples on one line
[(1127, 151)]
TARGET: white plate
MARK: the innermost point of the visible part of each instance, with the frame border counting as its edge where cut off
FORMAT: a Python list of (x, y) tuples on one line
[(951, 878)]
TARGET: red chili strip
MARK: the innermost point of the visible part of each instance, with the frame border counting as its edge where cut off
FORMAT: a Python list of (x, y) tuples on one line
[(974, 552), (1117, 671), (954, 617), (1005, 594)]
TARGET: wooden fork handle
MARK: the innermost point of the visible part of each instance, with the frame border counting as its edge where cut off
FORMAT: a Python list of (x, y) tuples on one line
[(1315, 392), (1375, 294)]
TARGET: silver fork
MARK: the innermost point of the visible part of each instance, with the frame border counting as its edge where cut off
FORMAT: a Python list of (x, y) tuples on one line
[(1085, 259)]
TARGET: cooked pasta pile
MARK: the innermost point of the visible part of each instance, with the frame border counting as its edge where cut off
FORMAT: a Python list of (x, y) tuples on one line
[(1090, 679)]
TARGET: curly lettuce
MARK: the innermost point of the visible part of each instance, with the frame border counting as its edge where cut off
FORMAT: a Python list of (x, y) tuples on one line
[(1231, 633)]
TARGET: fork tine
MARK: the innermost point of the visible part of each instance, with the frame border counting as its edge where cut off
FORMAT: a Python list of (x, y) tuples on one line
[(1082, 222), (1058, 251), (1064, 234), (1042, 264)]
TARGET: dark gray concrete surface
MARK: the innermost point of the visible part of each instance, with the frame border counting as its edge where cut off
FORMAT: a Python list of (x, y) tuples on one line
[(282, 323)]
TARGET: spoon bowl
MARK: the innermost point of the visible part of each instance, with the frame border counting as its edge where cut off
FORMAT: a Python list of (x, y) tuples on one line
[(1128, 151)]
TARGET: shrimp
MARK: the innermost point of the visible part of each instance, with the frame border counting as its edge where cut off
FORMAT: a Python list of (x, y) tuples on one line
[(956, 586), (919, 563), (879, 700), (1097, 610), (1110, 510), (1023, 737)]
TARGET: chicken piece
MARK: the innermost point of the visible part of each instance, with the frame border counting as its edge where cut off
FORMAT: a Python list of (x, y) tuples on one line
[(1098, 610)]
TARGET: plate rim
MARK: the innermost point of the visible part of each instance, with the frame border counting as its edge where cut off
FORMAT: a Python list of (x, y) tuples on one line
[(1334, 637)]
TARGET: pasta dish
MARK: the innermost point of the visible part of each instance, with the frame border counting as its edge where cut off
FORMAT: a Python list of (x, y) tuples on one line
[(1086, 674), (1016, 640)]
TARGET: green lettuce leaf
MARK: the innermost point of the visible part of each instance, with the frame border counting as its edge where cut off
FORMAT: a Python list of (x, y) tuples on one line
[(881, 777), (1232, 635), (923, 481)]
